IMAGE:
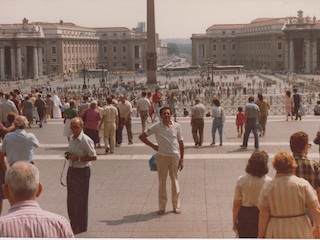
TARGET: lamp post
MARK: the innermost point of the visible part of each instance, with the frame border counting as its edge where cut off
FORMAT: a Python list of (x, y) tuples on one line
[(102, 66), (83, 62)]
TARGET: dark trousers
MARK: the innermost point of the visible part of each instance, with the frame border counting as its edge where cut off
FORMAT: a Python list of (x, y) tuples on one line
[(128, 125), (296, 111), (197, 130), (77, 199), (41, 112), (251, 125), (248, 220)]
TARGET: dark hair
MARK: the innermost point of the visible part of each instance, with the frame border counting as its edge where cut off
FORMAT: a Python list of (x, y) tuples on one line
[(109, 100), (240, 109), (164, 108), (251, 99), (260, 96), (288, 93), (258, 164), (216, 102), (298, 141)]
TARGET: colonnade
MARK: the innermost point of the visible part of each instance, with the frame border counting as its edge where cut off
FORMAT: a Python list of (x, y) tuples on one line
[(18, 61)]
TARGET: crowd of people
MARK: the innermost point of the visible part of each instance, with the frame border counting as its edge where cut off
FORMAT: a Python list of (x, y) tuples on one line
[(260, 208)]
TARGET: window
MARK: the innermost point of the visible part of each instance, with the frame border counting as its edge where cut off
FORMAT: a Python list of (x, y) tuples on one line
[(233, 47), (114, 49), (214, 47), (105, 49), (224, 47), (279, 45), (53, 50), (136, 52), (279, 56), (124, 49)]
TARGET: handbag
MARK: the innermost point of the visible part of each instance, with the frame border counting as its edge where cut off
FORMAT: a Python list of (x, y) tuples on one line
[(152, 162)]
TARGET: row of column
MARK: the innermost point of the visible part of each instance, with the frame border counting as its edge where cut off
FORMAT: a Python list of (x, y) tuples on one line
[(310, 56), (16, 62)]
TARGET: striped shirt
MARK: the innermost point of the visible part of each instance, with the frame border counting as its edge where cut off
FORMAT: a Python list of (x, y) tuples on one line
[(26, 219)]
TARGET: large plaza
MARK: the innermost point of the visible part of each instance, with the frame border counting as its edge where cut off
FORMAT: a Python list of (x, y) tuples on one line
[(123, 191)]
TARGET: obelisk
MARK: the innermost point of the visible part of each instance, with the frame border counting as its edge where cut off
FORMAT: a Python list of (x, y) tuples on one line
[(151, 45)]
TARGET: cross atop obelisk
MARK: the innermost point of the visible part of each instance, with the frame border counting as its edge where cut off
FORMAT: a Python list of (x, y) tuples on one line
[(151, 44)]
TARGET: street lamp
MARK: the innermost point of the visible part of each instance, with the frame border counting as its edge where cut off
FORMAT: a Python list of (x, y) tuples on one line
[(102, 66), (84, 70)]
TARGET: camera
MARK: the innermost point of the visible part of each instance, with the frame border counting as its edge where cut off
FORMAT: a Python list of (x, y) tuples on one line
[(66, 155)]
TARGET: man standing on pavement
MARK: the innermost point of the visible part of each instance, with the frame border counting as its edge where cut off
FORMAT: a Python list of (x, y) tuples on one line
[(125, 110), (110, 123), (25, 218), (197, 122), (80, 153), (169, 158), (143, 105), (251, 118), (41, 108), (6, 107), (296, 103), (19, 145)]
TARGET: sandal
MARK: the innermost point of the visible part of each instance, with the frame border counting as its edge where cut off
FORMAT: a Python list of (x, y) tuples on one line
[(212, 144)]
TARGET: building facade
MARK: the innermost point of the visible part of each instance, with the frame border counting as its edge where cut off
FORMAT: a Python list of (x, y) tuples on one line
[(265, 43), (37, 49)]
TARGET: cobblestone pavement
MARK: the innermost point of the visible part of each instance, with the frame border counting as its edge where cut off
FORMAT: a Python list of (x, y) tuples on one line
[(123, 191)]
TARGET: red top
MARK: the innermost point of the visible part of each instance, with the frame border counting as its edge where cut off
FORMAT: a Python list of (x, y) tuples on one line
[(240, 119), (156, 97)]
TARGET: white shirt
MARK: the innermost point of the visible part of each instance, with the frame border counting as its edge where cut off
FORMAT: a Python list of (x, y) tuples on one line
[(167, 138), (143, 104)]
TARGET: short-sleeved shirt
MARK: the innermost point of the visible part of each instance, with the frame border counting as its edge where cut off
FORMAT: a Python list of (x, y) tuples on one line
[(248, 189), (19, 139), (143, 104), (167, 138), (81, 146), (111, 113), (308, 169), (125, 109), (252, 110), (198, 111), (71, 113)]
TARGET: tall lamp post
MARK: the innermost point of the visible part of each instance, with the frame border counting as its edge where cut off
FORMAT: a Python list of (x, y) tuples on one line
[(84, 70), (102, 66)]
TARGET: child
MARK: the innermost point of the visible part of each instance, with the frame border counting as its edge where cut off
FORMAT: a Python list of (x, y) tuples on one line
[(240, 121)]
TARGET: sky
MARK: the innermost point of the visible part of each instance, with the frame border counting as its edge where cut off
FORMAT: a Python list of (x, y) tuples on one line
[(174, 18)]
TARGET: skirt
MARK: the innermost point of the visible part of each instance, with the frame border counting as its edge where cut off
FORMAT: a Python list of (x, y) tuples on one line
[(93, 134), (248, 220)]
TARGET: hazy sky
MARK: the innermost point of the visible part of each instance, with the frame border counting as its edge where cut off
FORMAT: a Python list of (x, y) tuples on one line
[(174, 18)]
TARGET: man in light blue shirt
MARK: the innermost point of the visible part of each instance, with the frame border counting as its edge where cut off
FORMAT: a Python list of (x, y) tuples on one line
[(19, 145), (251, 117)]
